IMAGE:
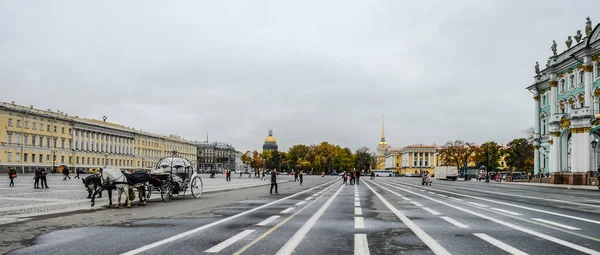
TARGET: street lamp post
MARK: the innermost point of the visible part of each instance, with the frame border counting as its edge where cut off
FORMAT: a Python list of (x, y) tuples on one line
[(105, 160)]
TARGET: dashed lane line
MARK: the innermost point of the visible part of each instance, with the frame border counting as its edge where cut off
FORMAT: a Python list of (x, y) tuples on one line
[(454, 222), (290, 246), (289, 209), (359, 222), (198, 229), (556, 224), (228, 242), (501, 222), (427, 239), (415, 203), (356, 203), (505, 211), (500, 244), (300, 203), (357, 211), (268, 220), (431, 211), (476, 204), (361, 245)]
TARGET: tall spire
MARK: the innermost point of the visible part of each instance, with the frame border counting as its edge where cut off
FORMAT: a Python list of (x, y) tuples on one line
[(382, 129)]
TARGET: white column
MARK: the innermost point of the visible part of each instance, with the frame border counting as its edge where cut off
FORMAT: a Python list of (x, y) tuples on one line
[(553, 96), (435, 159), (74, 140), (429, 159), (537, 115), (109, 144), (587, 77), (536, 160), (586, 159), (85, 140), (554, 157)]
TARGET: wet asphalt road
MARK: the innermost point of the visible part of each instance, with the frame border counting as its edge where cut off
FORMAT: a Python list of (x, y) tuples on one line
[(384, 216)]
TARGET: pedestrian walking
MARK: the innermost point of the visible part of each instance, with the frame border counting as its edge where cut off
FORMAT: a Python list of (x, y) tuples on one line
[(273, 181), (250, 174), (43, 174), (352, 177), (295, 176), (76, 174), (357, 177), (36, 178), (322, 174), (227, 175), (66, 173), (263, 175), (241, 173), (300, 175), (345, 178), (12, 174)]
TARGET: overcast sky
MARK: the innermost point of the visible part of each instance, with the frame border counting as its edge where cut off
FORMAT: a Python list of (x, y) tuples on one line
[(310, 70)]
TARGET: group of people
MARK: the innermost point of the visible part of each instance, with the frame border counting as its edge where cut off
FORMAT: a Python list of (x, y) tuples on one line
[(354, 177), (296, 175), (39, 177)]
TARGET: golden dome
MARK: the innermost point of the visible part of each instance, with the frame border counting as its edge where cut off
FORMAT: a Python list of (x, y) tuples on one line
[(270, 139)]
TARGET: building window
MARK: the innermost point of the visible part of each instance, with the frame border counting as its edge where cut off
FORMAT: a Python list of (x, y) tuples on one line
[(562, 86), (48, 128), (42, 126), (543, 127), (9, 157), (19, 123), (63, 130), (9, 138), (40, 158), (34, 126), (597, 70), (70, 159), (26, 124), (70, 144), (543, 100), (88, 160), (54, 129), (93, 161), (33, 137), (572, 81), (62, 143), (48, 158), (62, 159), (55, 142), (18, 138), (77, 160), (41, 141), (581, 77), (26, 140), (10, 122), (18, 157), (48, 142)]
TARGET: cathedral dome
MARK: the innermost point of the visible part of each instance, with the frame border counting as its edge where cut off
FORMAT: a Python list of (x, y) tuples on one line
[(270, 139), (270, 142)]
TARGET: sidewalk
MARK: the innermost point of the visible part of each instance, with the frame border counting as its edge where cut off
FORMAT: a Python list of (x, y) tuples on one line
[(563, 186)]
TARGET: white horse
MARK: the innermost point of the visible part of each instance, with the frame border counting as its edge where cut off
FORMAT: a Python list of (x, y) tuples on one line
[(114, 176)]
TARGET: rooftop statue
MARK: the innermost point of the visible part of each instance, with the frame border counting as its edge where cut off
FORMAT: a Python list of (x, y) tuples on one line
[(553, 47), (588, 27), (569, 42), (548, 63), (578, 36), (537, 68)]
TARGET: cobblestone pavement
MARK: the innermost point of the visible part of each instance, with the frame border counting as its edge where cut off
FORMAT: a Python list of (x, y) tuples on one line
[(23, 200)]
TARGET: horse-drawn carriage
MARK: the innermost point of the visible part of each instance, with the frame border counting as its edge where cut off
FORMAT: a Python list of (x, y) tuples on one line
[(174, 175)]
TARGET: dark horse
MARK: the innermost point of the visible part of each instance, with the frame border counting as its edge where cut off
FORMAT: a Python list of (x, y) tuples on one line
[(93, 183)]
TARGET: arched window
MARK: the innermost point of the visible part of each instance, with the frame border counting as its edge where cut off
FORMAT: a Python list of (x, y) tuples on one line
[(543, 160), (572, 81), (581, 77), (562, 85), (543, 126), (597, 70), (543, 100)]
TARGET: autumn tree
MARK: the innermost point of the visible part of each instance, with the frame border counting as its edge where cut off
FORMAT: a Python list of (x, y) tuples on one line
[(362, 159), (489, 155), (457, 153), (247, 158), (257, 161), (520, 155)]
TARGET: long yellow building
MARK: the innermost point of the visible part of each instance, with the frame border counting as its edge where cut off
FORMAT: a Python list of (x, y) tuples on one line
[(32, 138)]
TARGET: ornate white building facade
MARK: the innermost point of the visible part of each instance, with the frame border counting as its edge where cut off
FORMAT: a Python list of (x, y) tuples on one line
[(567, 110)]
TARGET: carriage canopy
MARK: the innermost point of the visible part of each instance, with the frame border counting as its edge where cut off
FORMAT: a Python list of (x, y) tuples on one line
[(172, 164)]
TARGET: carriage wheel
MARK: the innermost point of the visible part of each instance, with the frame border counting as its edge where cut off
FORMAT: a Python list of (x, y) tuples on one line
[(166, 193), (196, 187)]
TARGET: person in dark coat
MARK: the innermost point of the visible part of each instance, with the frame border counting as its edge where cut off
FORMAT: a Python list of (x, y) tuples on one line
[(43, 174), (295, 176), (300, 175), (357, 177), (12, 174), (66, 173), (36, 178), (274, 181)]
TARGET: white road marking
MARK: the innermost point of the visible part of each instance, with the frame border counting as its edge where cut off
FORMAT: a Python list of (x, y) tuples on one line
[(198, 229), (510, 225), (454, 222), (456, 199), (289, 209), (415, 203), (507, 212), (441, 195), (359, 222), (431, 211), (357, 211), (230, 241), (300, 203), (361, 246), (556, 224), (480, 205), (357, 204), (500, 244), (357, 199), (308, 198), (268, 220), (522, 207), (430, 242), (431, 192), (293, 242), (405, 198)]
